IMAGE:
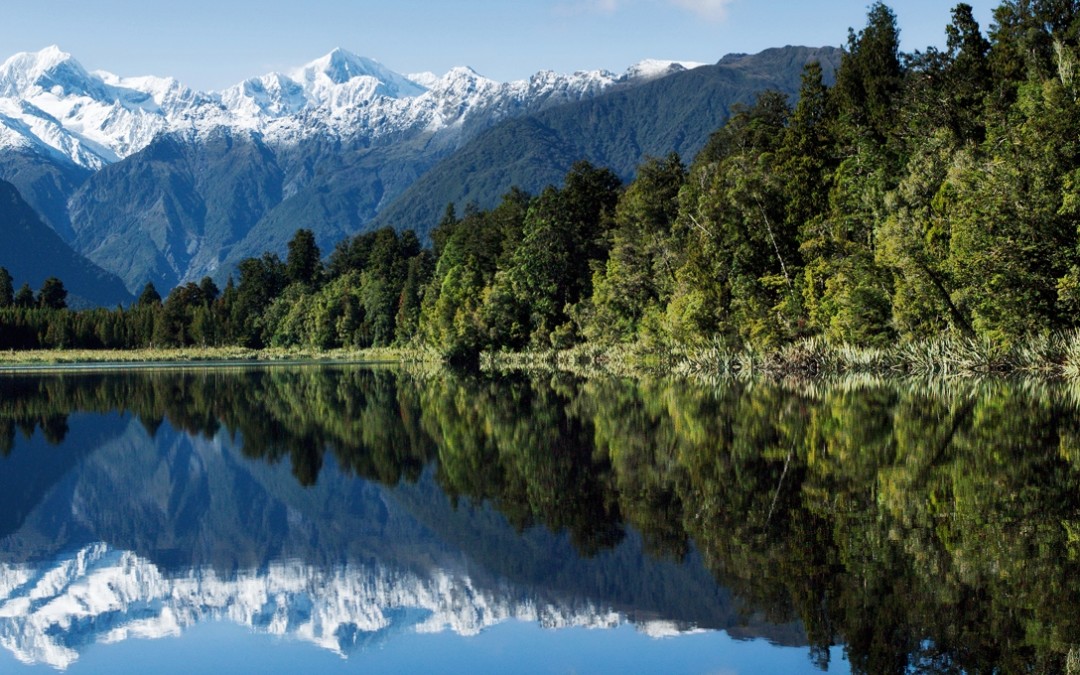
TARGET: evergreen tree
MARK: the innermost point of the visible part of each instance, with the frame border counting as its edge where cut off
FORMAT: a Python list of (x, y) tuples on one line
[(564, 234), (149, 296), (303, 264), (7, 290), (261, 281), (967, 81), (209, 289), (417, 276), (52, 294), (871, 76), (639, 274)]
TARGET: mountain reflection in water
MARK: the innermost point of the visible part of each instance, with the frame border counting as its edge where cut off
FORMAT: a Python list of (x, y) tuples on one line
[(929, 529)]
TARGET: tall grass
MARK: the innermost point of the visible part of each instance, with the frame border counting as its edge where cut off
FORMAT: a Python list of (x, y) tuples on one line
[(1044, 356), (1049, 356), (60, 358)]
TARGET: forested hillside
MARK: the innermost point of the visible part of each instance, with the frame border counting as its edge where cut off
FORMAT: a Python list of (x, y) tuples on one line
[(616, 130)]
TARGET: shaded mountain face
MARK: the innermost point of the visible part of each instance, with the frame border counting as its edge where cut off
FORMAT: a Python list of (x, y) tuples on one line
[(619, 129), (32, 252), (172, 210), (156, 182)]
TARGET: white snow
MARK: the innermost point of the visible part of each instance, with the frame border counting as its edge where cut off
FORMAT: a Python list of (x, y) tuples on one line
[(650, 69), (50, 103), (102, 595)]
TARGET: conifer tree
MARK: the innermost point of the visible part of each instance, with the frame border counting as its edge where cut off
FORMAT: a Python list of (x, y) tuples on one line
[(7, 290)]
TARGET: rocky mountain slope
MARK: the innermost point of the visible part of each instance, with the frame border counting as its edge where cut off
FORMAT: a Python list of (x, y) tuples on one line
[(32, 252)]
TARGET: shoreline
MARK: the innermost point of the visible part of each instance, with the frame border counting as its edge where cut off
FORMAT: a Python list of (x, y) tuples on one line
[(1045, 357), (44, 361)]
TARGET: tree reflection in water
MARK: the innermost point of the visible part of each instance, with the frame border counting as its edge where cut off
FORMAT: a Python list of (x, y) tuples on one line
[(926, 528)]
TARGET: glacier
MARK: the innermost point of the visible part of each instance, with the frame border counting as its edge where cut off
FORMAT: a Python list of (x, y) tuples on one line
[(50, 103)]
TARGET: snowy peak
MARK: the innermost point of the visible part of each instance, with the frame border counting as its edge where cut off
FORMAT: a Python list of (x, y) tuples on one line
[(334, 83), (651, 69), (274, 95), (92, 119), (153, 94), (341, 67), (461, 81), (50, 70)]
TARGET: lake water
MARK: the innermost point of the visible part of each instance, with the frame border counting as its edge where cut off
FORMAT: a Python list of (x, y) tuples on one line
[(344, 519)]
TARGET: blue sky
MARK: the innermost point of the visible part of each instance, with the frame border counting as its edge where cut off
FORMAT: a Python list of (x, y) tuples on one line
[(211, 44)]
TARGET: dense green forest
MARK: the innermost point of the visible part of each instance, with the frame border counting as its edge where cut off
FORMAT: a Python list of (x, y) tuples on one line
[(923, 194)]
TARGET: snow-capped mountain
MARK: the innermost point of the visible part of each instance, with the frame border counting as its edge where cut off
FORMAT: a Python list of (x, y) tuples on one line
[(92, 119), (49, 101), (156, 182), (50, 612), (650, 69)]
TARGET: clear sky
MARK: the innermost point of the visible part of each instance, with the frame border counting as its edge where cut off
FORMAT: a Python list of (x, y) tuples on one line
[(212, 44)]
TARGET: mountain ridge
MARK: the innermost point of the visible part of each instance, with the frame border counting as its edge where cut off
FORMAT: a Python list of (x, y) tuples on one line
[(96, 118), (171, 185), (617, 130)]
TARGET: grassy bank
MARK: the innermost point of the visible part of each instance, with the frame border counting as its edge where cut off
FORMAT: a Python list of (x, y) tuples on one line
[(65, 358), (1054, 356)]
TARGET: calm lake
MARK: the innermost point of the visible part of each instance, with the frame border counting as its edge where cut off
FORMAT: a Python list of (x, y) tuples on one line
[(347, 519)]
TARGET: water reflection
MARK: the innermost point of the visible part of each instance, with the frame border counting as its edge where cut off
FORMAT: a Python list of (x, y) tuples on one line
[(102, 595), (922, 528)]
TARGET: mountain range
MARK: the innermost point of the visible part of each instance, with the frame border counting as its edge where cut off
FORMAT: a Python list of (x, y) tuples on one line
[(153, 181)]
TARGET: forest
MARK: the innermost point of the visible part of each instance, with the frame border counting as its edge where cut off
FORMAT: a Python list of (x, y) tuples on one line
[(925, 194)]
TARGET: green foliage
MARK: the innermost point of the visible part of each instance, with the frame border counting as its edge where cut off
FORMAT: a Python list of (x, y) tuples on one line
[(24, 297), (302, 265), (1013, 222), (186, 319), (149, 296), (871, 75), (261, 281), (52, 294), (640, 270)]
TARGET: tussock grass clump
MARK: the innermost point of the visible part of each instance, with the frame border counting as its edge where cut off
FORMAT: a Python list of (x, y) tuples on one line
[(1042, 356), (944, 356), (1039, 353), (812, 357), (950, 355), (1070, 356), (815, 357), (715, 359), (1052, 355)]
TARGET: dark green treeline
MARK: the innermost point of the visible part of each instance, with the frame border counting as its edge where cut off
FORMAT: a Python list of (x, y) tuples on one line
[(926, 530), (921, 194)]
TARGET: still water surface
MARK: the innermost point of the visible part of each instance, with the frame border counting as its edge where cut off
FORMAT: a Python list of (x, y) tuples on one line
[(358, 520)]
